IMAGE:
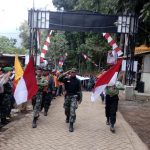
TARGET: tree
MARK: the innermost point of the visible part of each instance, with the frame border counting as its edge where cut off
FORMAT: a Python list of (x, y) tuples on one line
[(8, 46), (58, 47), (64, 4), (94, 44), (24, 34)]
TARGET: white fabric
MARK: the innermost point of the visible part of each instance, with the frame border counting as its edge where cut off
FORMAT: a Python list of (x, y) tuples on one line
[(21, 92), (82, 78), (114, 46), (42, 55), (97, 92), (48, 40), (109, 39), (119, 53), (113, 79), (45, 47)]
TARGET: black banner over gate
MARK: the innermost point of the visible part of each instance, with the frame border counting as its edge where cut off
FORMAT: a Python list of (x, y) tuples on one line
[(83, 21)]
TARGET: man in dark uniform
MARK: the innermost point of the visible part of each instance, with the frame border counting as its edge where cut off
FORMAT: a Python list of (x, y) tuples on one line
[(73, 95), (6, 96), (111, 105)]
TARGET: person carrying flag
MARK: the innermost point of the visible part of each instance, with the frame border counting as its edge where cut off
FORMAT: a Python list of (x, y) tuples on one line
[(108, 81), (111, 107), (37, 99)]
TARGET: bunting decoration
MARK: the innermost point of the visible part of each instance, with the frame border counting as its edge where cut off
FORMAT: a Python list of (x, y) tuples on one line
[(89, 59), (45, 47), (113, 44), (61, 61)]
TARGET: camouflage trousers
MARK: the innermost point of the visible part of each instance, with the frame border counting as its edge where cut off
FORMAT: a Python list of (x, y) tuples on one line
[(70, 106), (37, 104), (46, 101), (5, 105)]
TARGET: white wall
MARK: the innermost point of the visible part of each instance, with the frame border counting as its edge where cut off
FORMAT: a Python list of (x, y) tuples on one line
[(146, 66), (146, 79), (146, 73)]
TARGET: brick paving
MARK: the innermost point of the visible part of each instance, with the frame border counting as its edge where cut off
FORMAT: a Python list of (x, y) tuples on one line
[(91, 131)]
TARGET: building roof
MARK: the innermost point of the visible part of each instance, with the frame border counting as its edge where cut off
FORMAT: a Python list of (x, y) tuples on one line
[(142, 50), (12, 55)]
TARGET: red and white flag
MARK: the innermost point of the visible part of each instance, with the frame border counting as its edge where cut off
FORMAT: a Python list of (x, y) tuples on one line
[(27, 85), (61, 62), (45, 47), (113, 44), (107, 78)]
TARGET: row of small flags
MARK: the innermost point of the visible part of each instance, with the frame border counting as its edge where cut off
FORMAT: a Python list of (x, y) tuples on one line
[(113, 44), (89, 59), (45, 49), (111, 58), (46, 45), (109, 76)]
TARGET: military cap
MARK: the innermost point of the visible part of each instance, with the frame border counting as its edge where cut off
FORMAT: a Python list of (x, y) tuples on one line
[(7, 69)]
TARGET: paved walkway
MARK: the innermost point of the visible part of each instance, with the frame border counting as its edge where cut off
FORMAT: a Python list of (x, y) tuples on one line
[(91, 131)]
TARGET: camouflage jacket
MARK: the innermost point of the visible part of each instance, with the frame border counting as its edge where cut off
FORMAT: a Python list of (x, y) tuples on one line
[(41, 82)]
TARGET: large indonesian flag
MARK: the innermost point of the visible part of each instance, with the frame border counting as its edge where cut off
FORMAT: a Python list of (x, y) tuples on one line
[(27, 85), (107, 78)]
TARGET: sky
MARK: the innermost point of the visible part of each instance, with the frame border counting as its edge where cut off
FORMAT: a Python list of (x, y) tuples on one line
[(14, 12)]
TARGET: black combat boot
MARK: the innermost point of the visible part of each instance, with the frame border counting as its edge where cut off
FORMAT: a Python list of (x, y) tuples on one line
[(45, 113), (67, 119), (4, 121), (71, 129), (34, 125), (112, 129), (107, 121)]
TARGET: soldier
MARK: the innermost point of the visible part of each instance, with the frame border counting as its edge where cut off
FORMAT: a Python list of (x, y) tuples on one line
[(37, 100), (111, 105), (47, 92), (6, 95), (73, 95)]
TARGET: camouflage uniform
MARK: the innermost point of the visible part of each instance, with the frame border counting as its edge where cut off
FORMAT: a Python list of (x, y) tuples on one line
[(70, 105), (47, 95), (6, 102), (72, 97), (37, 100)]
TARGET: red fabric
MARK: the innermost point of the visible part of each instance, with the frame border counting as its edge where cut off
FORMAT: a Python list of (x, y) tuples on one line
[(44, 51), (107, 76), (30, 79)]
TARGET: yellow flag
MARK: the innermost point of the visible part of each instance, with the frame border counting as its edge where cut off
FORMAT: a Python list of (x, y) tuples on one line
[(18, 69)]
